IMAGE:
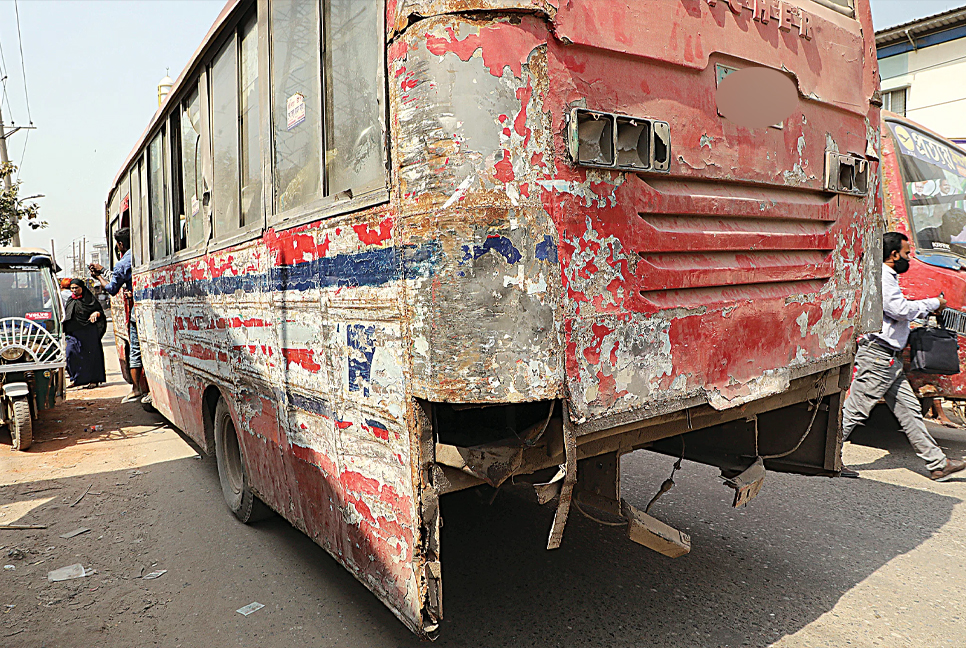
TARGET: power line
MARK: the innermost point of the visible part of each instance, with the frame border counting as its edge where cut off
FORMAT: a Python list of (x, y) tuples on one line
[(3, 80), (23, 69)]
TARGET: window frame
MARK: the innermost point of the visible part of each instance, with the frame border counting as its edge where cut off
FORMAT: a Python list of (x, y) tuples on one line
[(321, 208), (329, 206), (904, 89)]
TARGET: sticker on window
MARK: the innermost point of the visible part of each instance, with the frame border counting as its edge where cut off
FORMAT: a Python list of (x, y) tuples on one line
[(295, 110), (43, 315)]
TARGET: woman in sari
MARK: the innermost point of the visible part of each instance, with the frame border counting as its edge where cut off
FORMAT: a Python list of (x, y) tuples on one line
[(84, 325)]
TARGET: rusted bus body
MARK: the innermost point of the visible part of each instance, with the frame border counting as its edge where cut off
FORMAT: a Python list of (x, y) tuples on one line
[(924, 182), (492, 308)]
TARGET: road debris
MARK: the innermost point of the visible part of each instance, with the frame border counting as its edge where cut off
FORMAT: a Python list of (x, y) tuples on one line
[(75, 532), (17, 554), (21, 527), (254, 606), (77, 501), (68, 573), (9, 567), (155, 574)]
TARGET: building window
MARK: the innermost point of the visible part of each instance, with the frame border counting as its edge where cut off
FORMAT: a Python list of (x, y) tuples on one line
[(895, 101)]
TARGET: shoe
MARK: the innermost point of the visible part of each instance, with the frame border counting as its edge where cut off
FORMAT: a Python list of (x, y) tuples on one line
[(848, 472), (952, 466), (130, 398)]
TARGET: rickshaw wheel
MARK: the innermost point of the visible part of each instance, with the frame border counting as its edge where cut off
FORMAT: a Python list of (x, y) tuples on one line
[(21, 428)]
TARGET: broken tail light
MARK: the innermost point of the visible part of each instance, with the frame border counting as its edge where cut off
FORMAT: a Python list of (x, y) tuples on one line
[(608, 141), (848, 174)]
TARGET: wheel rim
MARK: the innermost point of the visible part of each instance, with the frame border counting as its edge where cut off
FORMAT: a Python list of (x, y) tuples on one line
[(233, 461)]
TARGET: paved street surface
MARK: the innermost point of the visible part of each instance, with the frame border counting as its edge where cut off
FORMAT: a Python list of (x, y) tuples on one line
[(879, 561)]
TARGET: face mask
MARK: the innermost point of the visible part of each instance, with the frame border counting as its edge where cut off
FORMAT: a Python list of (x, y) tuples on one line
[(900, 265)]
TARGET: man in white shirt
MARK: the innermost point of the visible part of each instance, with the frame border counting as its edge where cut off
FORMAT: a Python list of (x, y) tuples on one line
[(879, 365)]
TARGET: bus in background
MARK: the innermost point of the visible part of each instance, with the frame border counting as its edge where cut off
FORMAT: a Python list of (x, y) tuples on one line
[(388, 251), (924, 181)]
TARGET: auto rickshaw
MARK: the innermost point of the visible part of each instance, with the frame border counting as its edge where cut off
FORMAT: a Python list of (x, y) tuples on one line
[(32, 345)]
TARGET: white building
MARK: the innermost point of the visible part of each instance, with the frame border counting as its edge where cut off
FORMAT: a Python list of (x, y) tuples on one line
[(923, 68)]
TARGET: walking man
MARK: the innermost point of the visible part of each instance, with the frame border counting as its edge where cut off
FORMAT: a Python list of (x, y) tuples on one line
[(879, 366), (121, 279)]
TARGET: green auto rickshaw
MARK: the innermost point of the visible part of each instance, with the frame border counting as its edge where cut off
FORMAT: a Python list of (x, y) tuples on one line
[(32, 349)]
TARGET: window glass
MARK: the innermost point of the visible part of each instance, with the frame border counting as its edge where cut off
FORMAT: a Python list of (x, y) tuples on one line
[(296, 102), (934, 178), (224, 136), (251, 160), (112, 215), (895, 101), (157, 196), (144, 235), (353, 96), (24, 289), (136, 223), (179, 223), (192, 184)]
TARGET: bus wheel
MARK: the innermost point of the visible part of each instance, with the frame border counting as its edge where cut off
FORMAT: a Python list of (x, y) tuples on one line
[(21, 425), (231, 470)]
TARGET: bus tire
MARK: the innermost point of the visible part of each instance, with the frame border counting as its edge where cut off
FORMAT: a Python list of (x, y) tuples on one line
[(231, 470), (21, 425)]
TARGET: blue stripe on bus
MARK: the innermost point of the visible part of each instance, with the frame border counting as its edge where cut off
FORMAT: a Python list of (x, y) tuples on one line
[(369, 268)]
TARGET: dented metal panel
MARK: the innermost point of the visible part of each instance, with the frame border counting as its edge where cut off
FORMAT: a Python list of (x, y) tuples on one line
[(503, 271)]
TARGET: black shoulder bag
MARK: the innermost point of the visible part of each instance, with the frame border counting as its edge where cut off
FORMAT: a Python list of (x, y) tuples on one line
[(934, 350)]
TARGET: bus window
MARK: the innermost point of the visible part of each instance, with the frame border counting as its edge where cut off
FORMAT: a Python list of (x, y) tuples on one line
[(157, 197), (934, 176), (224, 129), (179, 218), (192, 183), (354, 157), (138, 214), (251, 159), (295, 99)]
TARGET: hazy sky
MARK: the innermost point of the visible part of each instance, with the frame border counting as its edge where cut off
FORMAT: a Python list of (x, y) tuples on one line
[(92, 70)]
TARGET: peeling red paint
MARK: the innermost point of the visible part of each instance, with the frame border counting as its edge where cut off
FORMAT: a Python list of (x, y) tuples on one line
[(374, 236), (504, 168)]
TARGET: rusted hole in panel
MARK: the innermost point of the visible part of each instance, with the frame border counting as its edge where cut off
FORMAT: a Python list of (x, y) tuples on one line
[(467, 427)]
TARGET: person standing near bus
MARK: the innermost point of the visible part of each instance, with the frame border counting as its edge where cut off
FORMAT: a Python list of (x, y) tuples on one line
[(879, 371), (121, 279)]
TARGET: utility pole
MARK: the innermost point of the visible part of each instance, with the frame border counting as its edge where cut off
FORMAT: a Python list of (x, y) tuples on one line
[(7, 184)]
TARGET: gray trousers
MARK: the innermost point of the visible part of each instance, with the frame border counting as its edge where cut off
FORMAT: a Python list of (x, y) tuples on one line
[(880, 375)]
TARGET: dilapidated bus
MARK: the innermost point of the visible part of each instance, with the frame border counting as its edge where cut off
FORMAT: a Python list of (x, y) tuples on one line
[(385, 251)]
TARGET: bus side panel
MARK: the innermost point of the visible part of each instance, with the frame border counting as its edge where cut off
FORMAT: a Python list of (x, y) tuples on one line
[(472, 145), (301, 332)]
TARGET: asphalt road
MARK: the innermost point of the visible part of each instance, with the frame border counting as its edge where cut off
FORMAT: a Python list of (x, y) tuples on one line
[(878, 561)]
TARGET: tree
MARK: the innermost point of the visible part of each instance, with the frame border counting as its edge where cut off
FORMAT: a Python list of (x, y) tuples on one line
[(12, 210)]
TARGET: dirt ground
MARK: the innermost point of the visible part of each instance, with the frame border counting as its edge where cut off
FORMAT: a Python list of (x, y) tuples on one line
[(879, 561)]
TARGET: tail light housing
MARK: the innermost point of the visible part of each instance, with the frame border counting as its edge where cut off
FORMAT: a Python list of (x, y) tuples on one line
[(621, 142)]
